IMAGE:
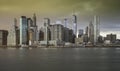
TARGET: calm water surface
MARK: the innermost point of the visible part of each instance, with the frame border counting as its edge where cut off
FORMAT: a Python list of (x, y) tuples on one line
[(60, 59)]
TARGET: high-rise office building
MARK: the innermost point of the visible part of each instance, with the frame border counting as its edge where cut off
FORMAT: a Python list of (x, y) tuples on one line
[(81, 32), (31, 31), (13, 36), (34, 19), (35, 28), (65, 23), (41, 34), (75, 24), (87, 30), (57, 32), (23, 31), (91, 33), (96, 29), (66, 34), (71, 36), (47, 29)]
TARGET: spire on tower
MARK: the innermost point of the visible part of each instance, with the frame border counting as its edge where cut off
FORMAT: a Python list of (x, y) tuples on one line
[(34, 19), (15, 22), (75, 24), (65, 22)]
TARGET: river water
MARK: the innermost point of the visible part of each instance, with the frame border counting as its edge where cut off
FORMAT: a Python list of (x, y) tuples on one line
[(60, 59)]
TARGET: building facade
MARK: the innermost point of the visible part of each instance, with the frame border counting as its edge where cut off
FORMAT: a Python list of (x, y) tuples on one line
[(3, 37), (96, 22), (81, 32), (14, 36), (111, 37), (74, 19), (91, 33), (23, 31)]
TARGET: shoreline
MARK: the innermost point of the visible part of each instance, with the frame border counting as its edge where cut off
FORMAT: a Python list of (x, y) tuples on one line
[(86, 46)]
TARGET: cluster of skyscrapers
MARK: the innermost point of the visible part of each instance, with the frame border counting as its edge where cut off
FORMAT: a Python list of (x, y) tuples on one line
[(53, 34), (58, 34), (26, 34), (92, 34)]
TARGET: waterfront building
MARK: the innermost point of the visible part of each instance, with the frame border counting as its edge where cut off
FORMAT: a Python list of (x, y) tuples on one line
[(79, 40), (47, 32), (71, 36), (74, 20), (41, 34), (3, 37), (13, 36), (23, 31), (57, 32), (85, 38), (87, 31), (100, 39), (111, 37), (30, 32), (96, 22), (66, 34), (81, 32), (35, 28), (91, 33), (65, 23)]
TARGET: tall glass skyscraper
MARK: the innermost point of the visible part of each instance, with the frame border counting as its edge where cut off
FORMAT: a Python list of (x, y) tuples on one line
[(23, 30), (96, 29), (75, 24), (91, 32)]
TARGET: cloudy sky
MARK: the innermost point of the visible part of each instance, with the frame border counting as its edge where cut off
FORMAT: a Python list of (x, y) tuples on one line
[(57, 10)]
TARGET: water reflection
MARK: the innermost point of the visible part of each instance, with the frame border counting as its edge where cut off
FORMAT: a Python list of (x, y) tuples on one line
[(59, 59)]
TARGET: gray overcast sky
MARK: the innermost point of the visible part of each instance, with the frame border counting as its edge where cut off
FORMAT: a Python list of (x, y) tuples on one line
[(108, 10)]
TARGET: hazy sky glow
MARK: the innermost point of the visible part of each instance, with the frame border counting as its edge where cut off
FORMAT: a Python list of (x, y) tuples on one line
[(108, 10)]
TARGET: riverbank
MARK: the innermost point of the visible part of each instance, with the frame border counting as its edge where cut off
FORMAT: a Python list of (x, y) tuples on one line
[(85, 46)]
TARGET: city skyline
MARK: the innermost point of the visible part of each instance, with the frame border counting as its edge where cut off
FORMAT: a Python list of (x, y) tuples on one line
[(58, 10)]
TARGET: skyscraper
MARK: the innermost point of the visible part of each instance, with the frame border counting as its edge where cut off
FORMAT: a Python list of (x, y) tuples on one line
[(34, 19), (41, 34), (35, 28), (86, 31), (23, 30), (65, 23), (91, 32), (81, 32), (30, 31), (75, 24), (13, 36), (57, 32), (47, 30), (96, 29)]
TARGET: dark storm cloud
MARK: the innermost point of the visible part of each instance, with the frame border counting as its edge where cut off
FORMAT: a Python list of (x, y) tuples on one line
[(108, 10), (60, 6)]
